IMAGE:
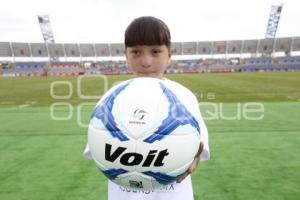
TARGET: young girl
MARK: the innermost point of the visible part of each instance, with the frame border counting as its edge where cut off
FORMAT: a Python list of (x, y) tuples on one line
[(148, 51)]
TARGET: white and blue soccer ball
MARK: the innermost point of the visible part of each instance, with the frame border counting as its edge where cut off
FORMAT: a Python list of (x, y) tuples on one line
[(144, 132)]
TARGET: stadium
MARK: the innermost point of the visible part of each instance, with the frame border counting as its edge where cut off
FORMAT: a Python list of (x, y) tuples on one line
[(234, 56), (249, 97)]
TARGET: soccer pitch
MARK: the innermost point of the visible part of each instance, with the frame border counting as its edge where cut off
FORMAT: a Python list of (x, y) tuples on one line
[(254, 134)]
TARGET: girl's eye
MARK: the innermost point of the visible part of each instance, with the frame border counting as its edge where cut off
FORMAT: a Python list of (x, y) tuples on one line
[(156, 51), (135, 52)]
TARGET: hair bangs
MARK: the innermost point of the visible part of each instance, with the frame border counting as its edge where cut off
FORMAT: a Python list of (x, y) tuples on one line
[(147, 31)]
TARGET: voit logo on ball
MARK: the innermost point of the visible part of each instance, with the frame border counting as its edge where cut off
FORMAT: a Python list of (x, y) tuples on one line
[(138, 117)]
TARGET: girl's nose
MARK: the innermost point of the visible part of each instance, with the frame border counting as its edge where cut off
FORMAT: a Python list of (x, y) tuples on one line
[(146, 61)]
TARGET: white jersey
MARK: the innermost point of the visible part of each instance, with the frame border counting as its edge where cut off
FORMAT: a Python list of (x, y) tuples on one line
[(174, 191)]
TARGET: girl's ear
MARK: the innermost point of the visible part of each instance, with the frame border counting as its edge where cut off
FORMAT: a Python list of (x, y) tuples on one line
[(170, 54), (126, 56), (171, 50), (125, 50)]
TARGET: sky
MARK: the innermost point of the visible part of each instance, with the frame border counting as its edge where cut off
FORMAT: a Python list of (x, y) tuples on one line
[(104, 21)]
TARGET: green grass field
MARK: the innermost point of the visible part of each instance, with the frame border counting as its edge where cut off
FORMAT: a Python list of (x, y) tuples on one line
[(41, 158)]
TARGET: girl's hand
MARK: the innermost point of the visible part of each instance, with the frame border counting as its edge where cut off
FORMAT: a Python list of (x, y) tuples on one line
[(193, 166)]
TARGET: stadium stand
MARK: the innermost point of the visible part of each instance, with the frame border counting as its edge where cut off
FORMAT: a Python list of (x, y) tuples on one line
[(5, 49), (234, 47), (296, 44), (204, 48), (219, 47), (265, 46), (283, 45), (29, 69), (189, 48), (39, 50), (107, 68), (56, 50), (290, 63), (21, 50), (280, 54), (64, 69), (176, 48), (87, 50), (6, 69), (269, 64), (102, 50), (185, 66), (117, 49), (250, 46), (259, 64), (72, 50)]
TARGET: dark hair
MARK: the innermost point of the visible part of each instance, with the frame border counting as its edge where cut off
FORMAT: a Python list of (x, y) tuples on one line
[(147, 31)]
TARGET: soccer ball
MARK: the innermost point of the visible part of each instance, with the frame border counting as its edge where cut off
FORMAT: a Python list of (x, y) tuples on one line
[(145, 132)]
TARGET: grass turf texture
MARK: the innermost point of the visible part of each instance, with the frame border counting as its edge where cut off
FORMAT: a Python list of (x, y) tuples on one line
[(41, 158)]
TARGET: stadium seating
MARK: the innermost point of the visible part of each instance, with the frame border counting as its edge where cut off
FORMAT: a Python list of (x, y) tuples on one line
[(290, 63), (189, 57), (185, 66), (64, 69), (267, 64), (7, 72), (5, 49), (29, 68)]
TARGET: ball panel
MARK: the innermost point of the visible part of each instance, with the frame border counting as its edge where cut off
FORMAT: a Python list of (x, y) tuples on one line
[(109, 151), (185, 96), (142, 111), (168, 154)]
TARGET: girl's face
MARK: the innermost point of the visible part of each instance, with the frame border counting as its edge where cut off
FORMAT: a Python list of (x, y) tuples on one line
[(149, 61)]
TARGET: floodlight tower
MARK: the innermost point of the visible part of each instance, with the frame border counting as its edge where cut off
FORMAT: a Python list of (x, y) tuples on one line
[(272, 26), (273, 21), (47, 33)]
